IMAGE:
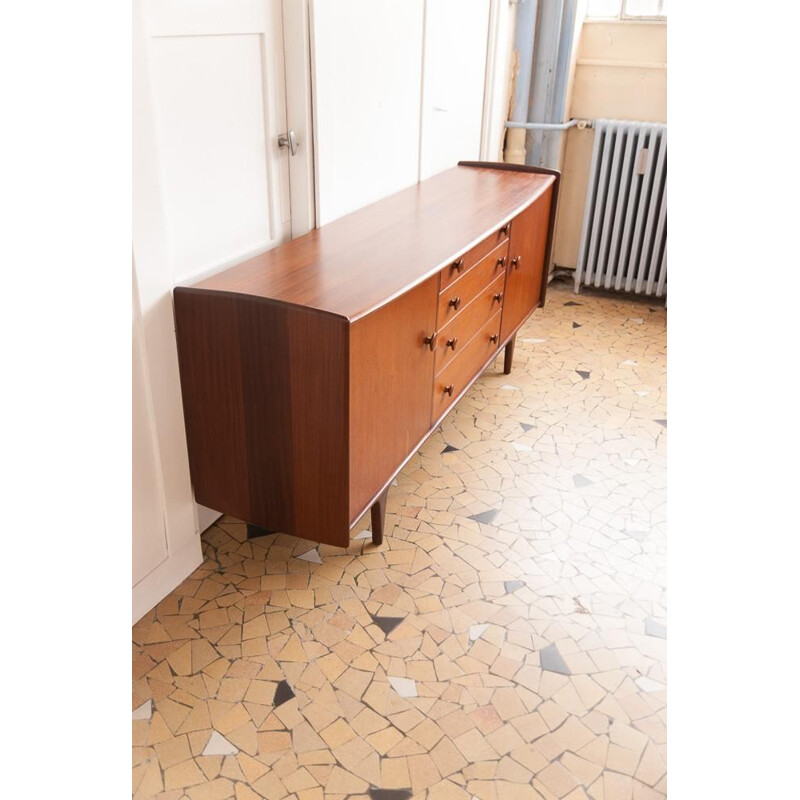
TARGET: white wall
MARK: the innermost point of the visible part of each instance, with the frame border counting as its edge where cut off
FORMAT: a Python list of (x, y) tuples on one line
[(621, 73), (403, 89)]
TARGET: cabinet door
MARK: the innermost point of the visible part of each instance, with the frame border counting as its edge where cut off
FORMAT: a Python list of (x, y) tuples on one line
[(525, 264), (391, 379)]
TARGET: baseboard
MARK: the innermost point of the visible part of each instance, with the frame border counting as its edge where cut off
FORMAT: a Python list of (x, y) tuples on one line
[(206, 517), (155, 586)]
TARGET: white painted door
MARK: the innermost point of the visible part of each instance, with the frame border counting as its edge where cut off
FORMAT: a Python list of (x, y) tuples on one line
[(454, 83), (218, 87), (211, 187)]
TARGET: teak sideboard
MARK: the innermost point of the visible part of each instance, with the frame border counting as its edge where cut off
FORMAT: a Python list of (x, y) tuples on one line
[(311, 374)]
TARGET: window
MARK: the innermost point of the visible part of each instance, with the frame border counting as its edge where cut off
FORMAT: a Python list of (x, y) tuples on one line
[(626, 9)]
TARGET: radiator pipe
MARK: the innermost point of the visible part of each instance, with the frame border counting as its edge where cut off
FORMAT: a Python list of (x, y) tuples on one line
[(552, 126)]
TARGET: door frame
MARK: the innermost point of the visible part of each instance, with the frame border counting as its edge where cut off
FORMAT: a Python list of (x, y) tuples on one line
[(299, 113)]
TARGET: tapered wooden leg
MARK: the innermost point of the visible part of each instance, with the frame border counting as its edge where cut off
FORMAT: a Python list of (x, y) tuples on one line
[(378, 512), (509, 356)]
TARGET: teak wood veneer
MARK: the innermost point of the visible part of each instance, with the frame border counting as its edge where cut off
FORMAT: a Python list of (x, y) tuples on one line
[(310, 374)]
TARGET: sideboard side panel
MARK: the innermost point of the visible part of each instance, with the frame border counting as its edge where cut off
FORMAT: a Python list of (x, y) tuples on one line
[(265, 401), (391, 375), (210, 361)]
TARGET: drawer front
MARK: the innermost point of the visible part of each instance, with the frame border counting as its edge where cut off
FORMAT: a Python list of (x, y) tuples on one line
[(456, 335), (450, 382), (458, 295), (464, 263)]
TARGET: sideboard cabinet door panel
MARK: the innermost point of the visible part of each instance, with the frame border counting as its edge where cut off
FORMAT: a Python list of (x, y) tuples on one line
[(391, 374), (525, 264)]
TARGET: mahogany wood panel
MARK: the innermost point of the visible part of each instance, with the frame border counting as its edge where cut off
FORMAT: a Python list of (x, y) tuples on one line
[(365, 259), (265, 403), (525, 264), (462, 370), (453, 338), (460, 266), (459, 294), (391, 370)]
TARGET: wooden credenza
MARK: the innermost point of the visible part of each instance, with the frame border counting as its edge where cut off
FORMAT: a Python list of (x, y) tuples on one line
[(310, 374)]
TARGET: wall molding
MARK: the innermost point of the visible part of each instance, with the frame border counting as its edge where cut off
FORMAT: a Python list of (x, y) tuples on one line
[(601, 62)]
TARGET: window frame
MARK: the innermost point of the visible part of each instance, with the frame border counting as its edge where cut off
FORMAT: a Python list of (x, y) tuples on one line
[(622, 15)]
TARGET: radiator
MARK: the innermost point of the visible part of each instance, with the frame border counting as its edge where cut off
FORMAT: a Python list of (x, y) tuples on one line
[(624, 237)]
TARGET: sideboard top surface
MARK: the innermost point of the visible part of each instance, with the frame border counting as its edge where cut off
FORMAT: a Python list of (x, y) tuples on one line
[(361, 261)]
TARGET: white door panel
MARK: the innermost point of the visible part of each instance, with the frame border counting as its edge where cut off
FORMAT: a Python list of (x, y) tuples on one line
[(456, 37), (218, 90), (367, 57)]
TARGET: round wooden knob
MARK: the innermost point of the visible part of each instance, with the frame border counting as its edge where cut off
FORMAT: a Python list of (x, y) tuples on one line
[(455, 302), (452, 343), (458, 265), (498, 297), (449, 390), (495, 337)]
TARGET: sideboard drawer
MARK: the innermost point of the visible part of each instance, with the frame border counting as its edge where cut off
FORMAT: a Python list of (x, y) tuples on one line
[(458, 295), (456, 335), (463, 264), (450, 382)]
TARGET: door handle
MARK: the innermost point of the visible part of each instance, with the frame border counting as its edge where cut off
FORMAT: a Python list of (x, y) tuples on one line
[(289, 140)]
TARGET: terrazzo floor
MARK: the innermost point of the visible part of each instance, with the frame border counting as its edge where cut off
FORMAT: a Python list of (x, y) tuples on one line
[(506, 642)]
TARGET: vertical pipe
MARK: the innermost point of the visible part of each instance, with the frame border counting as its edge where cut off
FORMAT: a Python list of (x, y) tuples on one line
[(548, 34), (524, 36), (591, 193)]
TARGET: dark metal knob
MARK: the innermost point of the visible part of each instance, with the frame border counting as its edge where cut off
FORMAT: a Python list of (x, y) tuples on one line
[(501, 262), (458, 265), (455, 302), (495, 337), (505, 229), (452, 343), (498, 296), (430, 340), (516, 261), (449, 390)]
